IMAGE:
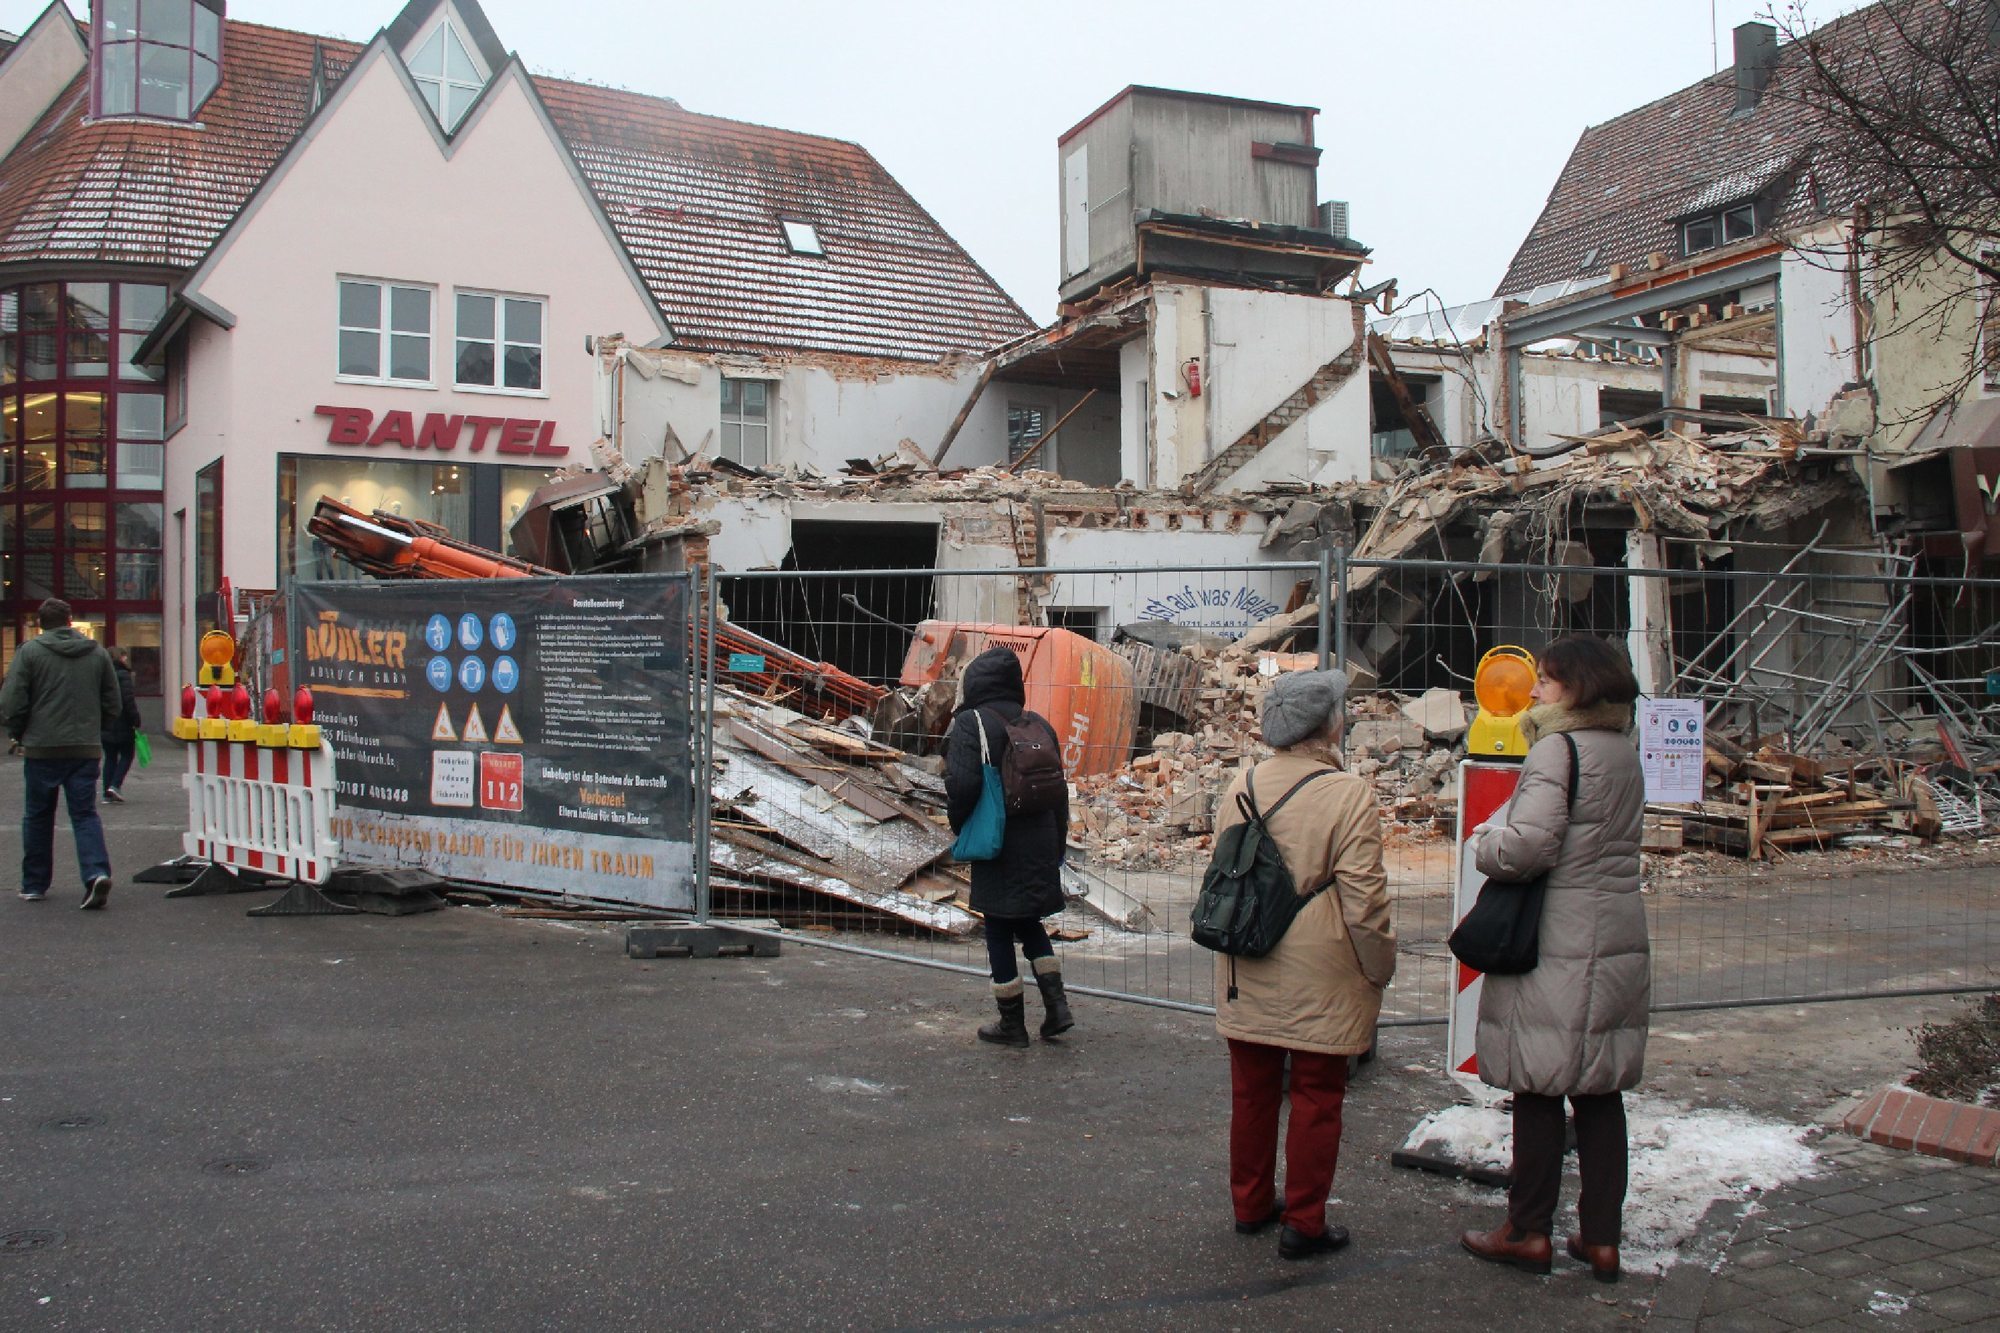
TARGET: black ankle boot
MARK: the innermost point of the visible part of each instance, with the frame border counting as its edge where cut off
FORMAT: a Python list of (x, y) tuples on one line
[(1012, 1029), (1057, 1017)]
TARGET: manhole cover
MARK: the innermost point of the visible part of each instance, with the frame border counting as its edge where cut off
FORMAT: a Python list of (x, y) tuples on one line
[(19, 1242), (234, 1166), (75, 1122)]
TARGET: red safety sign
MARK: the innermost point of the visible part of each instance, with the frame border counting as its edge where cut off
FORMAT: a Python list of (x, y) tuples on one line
[(1483, 787)]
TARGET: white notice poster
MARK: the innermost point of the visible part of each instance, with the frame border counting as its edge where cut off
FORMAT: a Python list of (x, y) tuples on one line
[(1670, 749)]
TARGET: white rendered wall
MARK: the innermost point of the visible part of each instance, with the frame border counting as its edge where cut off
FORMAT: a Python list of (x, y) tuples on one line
[(1815, 326)]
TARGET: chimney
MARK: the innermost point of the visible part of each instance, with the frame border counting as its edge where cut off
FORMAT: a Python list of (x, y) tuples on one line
[(1756, 57)]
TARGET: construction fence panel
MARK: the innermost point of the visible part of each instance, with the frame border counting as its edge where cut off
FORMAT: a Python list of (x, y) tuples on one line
[(828, 808), (1844, 694), (1850, 743)]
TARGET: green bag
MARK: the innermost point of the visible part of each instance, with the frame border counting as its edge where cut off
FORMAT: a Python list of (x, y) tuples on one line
[(142, 748)]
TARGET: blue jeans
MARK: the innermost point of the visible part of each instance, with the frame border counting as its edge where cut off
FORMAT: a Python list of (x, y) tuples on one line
[(118, 759), (76, 780)]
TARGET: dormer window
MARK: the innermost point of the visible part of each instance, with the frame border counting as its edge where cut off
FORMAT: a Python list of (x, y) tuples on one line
[(155, 58), (1731, 224), (447, 75)]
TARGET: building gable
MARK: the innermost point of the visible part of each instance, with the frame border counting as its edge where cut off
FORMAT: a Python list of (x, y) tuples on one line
[(36, 70)]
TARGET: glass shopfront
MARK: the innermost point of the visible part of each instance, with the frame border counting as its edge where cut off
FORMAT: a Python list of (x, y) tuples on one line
[(475, 502), (81, 464)]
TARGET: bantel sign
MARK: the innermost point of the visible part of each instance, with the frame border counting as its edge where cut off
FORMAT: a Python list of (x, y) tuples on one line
[(357, 426)]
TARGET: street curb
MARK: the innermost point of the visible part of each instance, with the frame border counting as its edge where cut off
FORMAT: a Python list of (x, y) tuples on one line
[(1684, 1287), (1897, 1117)]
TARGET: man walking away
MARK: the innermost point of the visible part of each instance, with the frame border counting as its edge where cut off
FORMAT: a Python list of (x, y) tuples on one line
[(121, 738), (61, 695)]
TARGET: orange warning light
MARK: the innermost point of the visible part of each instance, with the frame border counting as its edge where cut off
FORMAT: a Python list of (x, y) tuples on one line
[(1504, 684), (218, 651)]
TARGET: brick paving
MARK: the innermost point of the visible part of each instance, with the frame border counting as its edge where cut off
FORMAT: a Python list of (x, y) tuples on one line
[(1880, 1240)]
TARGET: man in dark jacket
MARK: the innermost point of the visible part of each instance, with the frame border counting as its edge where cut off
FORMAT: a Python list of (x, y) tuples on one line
[(121, 738), (60, 696), (1015, 890)]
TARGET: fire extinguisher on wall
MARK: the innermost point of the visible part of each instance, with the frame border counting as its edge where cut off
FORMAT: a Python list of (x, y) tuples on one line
[(1191, 375)]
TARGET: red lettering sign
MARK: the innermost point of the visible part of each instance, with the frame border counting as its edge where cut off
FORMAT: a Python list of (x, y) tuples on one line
[(441, 433), (480, 427), (510, 435), (518, 436), (396, 428), (350, 424)]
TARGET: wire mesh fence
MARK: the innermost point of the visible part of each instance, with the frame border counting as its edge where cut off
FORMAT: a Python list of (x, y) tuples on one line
[(1845, 698)]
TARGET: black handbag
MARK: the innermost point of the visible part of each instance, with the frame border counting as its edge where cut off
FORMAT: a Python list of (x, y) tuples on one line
[(1501, 935)]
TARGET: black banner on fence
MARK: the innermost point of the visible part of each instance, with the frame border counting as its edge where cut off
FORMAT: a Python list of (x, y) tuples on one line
[(529, 733)]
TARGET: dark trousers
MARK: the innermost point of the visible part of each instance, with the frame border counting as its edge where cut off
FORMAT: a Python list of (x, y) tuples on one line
[(75, 781), (118, 759), (1538, 1162), (1002, 932), (1312, 1140)]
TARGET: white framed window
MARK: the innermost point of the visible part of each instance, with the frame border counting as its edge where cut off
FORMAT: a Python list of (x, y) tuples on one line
[(1739, 224), (801, 238), (385, 332), (746, 421), (499, 342), (447, 74), (1699, 235)]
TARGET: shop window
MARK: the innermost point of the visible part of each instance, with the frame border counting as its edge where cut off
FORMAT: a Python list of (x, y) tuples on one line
[(140, 636), (746, 421), (385, 332), (439, 493), (499, 342), (84, 448), (140, 308), (10, 336), (1989, 324), (41, 316), (447, 75), (87, 324), (155, 58), (207, 544)]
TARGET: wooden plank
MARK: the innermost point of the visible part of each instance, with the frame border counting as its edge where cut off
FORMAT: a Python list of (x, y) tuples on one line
[(965, 412), (836, 779)]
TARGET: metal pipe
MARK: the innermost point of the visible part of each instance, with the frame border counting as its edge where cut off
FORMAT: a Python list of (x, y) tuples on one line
[(1020, 571), (1325, 600)]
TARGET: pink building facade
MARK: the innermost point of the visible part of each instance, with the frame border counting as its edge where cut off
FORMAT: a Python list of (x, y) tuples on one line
[(242, 268)]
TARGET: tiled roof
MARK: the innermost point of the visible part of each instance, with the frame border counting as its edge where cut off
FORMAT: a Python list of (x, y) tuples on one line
[(148, 192), (696, 199), (1629, 179), (698, 202)]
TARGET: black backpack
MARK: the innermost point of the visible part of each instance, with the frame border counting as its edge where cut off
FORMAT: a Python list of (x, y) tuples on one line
[(1031, 768), (1248, 896)]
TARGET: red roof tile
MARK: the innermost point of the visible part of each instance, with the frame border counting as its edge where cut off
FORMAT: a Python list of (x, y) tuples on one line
[(696, 199), (1628, 180)]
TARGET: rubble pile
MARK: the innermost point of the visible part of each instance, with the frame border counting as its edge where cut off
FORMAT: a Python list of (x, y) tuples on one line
[(1765, 802)]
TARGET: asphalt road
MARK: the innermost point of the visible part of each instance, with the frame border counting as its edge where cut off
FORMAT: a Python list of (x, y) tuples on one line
[(462, 1121)]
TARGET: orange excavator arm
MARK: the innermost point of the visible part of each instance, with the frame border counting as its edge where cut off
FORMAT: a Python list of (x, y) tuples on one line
[(390, 546)]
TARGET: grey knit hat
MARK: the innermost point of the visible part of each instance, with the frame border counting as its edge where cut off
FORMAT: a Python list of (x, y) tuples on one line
[(1302, 702)]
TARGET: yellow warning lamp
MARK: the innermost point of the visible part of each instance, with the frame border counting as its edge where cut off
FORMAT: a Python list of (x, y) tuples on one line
[(1503, 684), (218, 654)]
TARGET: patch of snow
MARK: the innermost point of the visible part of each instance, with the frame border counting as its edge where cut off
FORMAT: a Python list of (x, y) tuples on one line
[(854, 1087), (1887, 1302), (1681, 1161)]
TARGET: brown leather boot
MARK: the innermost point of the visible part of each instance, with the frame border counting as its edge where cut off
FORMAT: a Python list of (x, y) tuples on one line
[(1524, 1250), (1603, 1259)]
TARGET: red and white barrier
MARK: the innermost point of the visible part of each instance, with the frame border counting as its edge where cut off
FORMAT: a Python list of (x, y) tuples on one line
[(253, 807), (1483, 787)]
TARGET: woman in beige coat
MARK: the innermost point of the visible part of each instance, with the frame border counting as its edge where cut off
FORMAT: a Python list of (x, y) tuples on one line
[(1576, 1025), (1314, 998)]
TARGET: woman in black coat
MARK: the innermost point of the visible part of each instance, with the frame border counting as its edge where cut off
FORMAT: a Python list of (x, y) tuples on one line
[(121, 738), (1024, 883)]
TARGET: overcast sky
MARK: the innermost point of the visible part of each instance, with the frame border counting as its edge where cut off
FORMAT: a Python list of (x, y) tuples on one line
[(1444, 122)]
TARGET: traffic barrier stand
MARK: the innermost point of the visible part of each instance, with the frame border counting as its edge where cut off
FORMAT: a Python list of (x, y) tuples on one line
[(261, 796), (1484, 785)]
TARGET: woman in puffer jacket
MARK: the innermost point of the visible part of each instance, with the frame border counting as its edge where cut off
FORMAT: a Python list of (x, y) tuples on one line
[(1014, 891), (1574, 1027)]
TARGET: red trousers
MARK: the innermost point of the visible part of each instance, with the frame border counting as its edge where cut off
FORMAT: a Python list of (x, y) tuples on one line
[(1312, 1141)]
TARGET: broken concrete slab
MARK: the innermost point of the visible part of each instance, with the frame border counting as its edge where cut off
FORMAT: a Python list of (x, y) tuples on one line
[(1440, 712)]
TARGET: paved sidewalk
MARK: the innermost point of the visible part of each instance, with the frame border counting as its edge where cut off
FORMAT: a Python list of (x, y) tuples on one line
[(1879, 1240)]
